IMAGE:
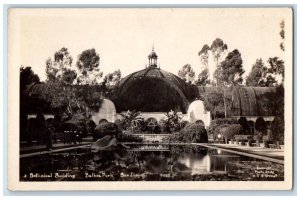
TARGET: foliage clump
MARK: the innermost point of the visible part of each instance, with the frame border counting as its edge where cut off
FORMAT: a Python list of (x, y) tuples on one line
[(191, 133)]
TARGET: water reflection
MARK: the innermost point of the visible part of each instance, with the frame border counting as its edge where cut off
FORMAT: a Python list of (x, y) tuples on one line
[(146, 163)]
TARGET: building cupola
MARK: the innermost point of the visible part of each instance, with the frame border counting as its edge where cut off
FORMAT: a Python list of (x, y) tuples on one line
[(152, 59)]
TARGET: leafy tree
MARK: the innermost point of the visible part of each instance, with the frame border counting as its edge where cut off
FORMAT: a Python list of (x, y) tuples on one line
[(60, 68), (277, 127), (63, 97), (274, 102), (203, 78), (263, 76), (277, 68), (88, 66), (69, 76), (257, 72), (27, 76), (204, 55), (112, 79), (218, 49), (187, 73), (266, 76), (230, 71)]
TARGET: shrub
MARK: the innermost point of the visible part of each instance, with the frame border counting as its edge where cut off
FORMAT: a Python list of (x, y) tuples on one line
[(277, 128), (231, 131), (244, 123), (184, 123), (219, 130), (105, 129), (200, 122), (194, 133), (176, 137), (260, 125), (217, 122)]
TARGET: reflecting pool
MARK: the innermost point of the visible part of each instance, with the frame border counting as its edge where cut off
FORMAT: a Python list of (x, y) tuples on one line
[(151, 162)]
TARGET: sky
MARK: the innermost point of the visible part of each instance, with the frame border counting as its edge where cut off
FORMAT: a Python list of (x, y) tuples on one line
[(124, 37)]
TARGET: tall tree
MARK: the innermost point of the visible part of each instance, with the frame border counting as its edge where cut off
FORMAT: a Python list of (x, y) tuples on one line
[(60, 75), (88, 66), (230, 71), (218, 49), (203, 79), (27, 76), (255, 76), (60, 68), (266, 76), (204, 55), (112, 79), (212, 55), (274, 73), (187, 73), (276, 66)]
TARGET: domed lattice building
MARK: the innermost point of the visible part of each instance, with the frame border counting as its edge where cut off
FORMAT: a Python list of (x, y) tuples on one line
[(153, 90)]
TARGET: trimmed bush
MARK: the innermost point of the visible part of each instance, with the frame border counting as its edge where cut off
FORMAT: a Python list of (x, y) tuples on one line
[(219, 130), (244, 123), (105, 129), (184, 123), (277, 128), (217, 122), (260, 125), (200, 122), (194, 133), (230, 131)]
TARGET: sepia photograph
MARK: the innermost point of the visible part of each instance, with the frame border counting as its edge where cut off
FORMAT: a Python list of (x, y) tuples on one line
[(150, 98)]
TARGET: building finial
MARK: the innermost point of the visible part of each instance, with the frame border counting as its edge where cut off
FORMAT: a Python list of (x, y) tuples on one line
[(152, 47), (152, 58)]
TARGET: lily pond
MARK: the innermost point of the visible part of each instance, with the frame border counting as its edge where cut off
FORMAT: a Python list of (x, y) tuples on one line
[(147, 162)]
